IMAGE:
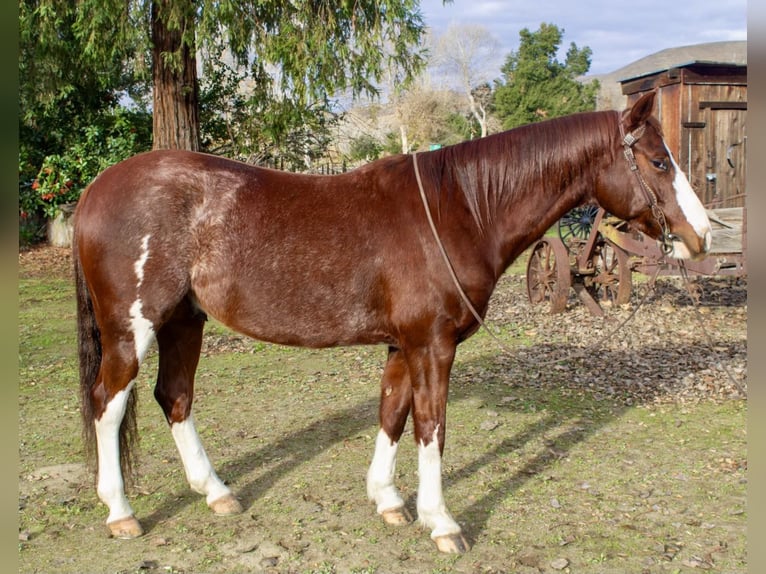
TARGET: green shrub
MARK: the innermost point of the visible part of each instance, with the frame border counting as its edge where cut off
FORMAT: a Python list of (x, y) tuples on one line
[(63, 176)]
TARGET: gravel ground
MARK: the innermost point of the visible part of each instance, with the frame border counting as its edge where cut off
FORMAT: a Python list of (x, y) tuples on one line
[(699, 347)]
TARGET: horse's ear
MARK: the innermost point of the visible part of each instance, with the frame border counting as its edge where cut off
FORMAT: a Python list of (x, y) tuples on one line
[(641, 110)]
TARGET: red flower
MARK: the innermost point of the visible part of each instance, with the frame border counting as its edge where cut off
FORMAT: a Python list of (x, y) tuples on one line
[(36, 185)]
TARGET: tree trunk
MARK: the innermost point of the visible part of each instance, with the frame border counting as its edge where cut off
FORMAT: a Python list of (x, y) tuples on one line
[(479, 112), (175, 88), (405, 141)]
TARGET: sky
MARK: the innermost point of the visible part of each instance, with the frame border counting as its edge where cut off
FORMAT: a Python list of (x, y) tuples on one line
[(618, 33)]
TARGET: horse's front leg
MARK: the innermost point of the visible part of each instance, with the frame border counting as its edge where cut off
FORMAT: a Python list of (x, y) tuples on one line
[(429, 369), (395, 403)]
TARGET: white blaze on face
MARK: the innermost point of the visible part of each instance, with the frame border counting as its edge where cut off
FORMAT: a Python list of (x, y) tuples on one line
[(690, 204)]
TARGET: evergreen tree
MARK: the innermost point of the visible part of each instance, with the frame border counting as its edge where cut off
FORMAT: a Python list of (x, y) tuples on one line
[(298, 51), (536, 86)]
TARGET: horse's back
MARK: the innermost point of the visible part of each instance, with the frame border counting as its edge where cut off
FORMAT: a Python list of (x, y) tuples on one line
[(297, 259)]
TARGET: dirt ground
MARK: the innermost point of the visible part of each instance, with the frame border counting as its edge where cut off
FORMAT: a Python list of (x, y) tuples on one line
[(583, 451)]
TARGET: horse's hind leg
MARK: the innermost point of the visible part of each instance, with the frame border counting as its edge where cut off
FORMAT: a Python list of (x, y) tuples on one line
[(179, 341), (110, 399), (111, 486), (395, 403)]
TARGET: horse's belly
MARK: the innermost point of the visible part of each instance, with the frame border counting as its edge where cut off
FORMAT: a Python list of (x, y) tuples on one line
[(298, 313)]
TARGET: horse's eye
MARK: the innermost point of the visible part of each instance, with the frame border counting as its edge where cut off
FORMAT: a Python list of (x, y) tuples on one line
[(661, 164)]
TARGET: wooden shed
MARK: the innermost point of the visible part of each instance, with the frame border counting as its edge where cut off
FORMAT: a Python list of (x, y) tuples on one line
[(702, 106)]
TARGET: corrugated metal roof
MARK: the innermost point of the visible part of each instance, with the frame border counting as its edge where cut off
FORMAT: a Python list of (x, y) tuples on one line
[(732, 53), (713, 53)]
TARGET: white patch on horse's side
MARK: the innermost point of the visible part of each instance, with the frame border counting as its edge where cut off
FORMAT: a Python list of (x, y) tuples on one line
[(143, 330), (138, 266), (432, 510), (380, 476), (199, 472), (111, 487), (690, 204)]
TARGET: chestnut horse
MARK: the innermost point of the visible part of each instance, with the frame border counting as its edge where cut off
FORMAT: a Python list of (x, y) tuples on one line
[(166, 238)]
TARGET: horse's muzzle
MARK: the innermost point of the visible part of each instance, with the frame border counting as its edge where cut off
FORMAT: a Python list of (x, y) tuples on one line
[(674, 246)]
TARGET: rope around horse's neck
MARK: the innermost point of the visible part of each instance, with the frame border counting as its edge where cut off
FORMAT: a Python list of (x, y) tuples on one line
[(586, 350), (505, 347), (447, 260)]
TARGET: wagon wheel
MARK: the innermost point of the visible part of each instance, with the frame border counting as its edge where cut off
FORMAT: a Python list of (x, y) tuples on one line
[(576, 225), (612, 280), (548, 274)]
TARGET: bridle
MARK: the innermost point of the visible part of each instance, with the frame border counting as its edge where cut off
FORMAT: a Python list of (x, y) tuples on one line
[(627, 141), (666, 239)]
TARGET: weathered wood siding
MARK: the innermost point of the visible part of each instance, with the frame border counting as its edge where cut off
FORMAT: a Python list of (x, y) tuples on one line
[(703, 111)]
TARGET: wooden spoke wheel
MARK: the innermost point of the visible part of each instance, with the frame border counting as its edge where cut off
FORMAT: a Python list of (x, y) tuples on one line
[(612, 280), (548, 274), (576, 225)]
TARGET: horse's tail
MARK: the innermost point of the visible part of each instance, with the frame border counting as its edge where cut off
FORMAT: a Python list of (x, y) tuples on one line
[(90, 355)]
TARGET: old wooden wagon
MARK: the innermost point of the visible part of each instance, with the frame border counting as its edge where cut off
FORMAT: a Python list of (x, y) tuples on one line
[(702, 105)]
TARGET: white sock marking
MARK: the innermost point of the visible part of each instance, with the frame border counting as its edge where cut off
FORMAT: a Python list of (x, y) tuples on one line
[(199, 472), (111, 487), (432, 510), (380, 476)]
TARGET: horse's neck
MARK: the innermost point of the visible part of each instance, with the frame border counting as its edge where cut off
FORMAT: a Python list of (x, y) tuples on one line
[(533, 201)]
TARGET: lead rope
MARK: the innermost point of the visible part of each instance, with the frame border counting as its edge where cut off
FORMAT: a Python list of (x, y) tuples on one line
[(584, 352), (666, 239), (448, 262), (695, 305)]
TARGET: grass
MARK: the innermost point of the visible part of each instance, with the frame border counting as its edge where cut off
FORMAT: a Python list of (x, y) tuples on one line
[(560, 475)]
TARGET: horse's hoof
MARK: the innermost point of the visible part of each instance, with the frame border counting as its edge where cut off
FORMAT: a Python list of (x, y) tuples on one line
[(452, 543), (125, 528), (397, 516), (226, 505)]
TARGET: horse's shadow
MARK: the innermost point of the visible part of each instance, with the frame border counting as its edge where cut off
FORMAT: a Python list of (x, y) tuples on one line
[(568, 427), (294, 449)]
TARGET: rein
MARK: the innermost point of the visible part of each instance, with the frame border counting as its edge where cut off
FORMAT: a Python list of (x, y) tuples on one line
[(628, 141)]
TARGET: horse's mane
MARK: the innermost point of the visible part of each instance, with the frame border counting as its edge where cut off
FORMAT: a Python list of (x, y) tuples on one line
[(493, 170)]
